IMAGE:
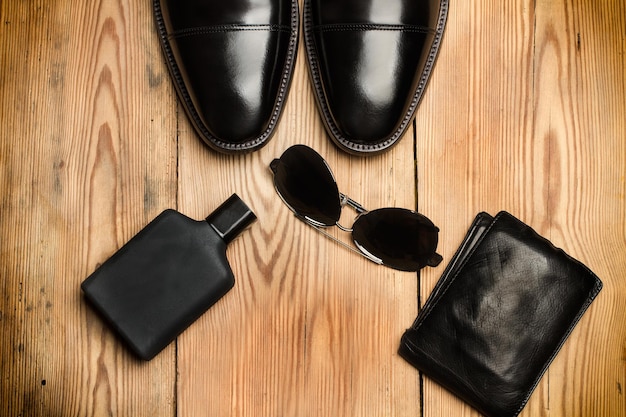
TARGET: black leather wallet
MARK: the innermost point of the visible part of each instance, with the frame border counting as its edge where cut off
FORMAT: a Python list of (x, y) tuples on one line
[(501, 311)]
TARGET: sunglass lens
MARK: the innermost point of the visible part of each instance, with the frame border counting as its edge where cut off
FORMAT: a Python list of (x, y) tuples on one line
[(400, 238), (306, 184)]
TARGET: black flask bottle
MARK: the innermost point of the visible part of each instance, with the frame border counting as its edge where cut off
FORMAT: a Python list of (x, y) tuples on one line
[(167, 276)]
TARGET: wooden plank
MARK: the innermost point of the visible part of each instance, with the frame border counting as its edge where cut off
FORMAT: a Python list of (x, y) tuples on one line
[(469, 154), (86, 162), (310, 329), (582, 122), (524, 113), (530, 102)]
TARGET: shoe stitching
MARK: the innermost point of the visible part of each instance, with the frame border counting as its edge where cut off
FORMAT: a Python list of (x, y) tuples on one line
[(313, 69), (338, 27), (181, 33), (288, 70)]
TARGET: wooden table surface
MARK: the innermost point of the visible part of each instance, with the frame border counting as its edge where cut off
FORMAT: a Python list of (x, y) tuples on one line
[(525, 112)]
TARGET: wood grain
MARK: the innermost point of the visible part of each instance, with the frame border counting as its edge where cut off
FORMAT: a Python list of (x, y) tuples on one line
[(305, 328), (84, 165), (530, 119), (524, 112)]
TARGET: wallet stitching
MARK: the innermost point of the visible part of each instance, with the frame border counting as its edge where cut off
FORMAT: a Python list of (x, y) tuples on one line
[(445, 289), (414, 349), (557, 349), (595, 291), (439, 289)]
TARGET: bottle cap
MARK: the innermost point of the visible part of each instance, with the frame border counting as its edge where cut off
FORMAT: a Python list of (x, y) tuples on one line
[(231, 218)]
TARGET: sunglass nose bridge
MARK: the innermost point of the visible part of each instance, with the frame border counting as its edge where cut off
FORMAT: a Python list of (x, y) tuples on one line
[(347, 201), (365, 254)]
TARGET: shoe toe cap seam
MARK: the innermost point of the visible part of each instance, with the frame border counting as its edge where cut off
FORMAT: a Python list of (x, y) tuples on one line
[(341, 27), (205, 30)]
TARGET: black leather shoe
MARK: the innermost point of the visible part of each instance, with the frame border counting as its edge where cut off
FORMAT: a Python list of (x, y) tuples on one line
[(232, 63), (370, 61)]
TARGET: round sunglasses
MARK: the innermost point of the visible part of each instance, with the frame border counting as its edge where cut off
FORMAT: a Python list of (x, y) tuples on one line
[(396, 237)]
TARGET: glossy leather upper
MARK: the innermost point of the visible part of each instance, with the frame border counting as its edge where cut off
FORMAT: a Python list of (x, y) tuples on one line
[(232, 63), (369, 61)]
